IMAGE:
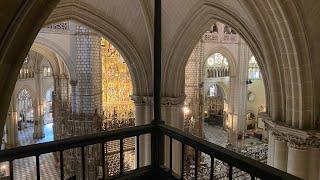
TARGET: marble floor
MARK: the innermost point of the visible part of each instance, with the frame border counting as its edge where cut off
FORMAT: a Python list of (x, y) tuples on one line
[(25, 169)]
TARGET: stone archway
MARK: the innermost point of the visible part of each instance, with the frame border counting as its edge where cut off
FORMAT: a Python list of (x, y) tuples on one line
[(90, 17), (279, 91), (51, 50)]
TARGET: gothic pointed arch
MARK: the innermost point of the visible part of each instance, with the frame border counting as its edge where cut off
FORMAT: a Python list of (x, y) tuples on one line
[(282, 84), (94, 19), (50, 50)]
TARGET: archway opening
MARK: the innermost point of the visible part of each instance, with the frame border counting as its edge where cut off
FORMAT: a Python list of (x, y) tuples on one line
[(256, 99), (85, 87), (225, 93)]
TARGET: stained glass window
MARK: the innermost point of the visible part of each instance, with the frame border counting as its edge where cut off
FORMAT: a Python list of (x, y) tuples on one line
[(217, 66)]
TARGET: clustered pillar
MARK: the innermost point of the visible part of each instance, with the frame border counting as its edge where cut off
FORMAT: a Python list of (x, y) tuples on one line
[(236, 122), (172, 114), (38, 107), (143, 115), (294, 151), (11, 125)]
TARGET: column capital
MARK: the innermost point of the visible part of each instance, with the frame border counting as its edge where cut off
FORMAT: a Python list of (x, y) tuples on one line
[(297, 143), (173, 101), (296, 138), (141, 100)]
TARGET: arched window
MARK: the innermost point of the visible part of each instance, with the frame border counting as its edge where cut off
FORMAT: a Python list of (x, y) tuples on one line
[(217, 63), (228, 30), (253, 70), (214, 29), (213, 91), (24, 100), (26, 70)]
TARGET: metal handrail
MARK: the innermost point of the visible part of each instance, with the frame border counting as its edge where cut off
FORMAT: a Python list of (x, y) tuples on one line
[(253, 167), (73, 142)]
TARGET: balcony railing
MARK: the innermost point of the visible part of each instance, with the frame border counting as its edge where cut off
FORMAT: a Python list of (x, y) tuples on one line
[(254, 168)]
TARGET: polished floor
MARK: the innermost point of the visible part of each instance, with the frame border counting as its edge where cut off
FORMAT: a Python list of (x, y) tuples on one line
[(25, 169)]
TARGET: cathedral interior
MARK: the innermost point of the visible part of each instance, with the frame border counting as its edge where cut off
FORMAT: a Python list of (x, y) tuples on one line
[(159, 89)]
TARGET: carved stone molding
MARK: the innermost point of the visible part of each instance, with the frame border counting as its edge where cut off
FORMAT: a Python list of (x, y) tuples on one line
[(296, 138), (165, 101), (172, 101), (142, 100)]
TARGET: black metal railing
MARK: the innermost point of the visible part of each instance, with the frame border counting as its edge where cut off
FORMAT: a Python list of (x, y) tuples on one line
[(254, 168), (76, 142)]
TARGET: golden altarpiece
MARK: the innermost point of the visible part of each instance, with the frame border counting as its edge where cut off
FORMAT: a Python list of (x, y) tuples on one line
[(116, 84)]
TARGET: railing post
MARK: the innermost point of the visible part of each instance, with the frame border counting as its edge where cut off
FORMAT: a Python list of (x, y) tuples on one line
[(156, 136)]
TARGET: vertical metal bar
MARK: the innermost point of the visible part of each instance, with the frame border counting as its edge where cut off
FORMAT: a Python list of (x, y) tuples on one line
[(196, 165), (138, 152), (11, 169), (157, 61), (170, 159), (156, 135), (252, 177), (121, 156), (212, 168), (106, 160), (103, 161), (230, 172), (182, 160), (61, 166), (38, 167), (83, 163)]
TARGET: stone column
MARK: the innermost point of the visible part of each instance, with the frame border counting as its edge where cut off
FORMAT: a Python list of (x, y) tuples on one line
[(238, 96), (38, 106), (74, 100), (270, 148), (294, 151), (172, 114), (143, 111), (280, 154), (11, 125), (298, 160), (88, 64), (313, 169)]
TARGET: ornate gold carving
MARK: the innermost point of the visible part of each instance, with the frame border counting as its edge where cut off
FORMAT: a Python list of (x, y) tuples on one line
[(116, 81)]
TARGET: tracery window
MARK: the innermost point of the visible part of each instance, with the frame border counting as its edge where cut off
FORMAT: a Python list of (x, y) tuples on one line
[(214, 29), (47, 71), (26, 71), (253, 70), (213, 91), (217, 66), (24, 100), (229, 30)]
